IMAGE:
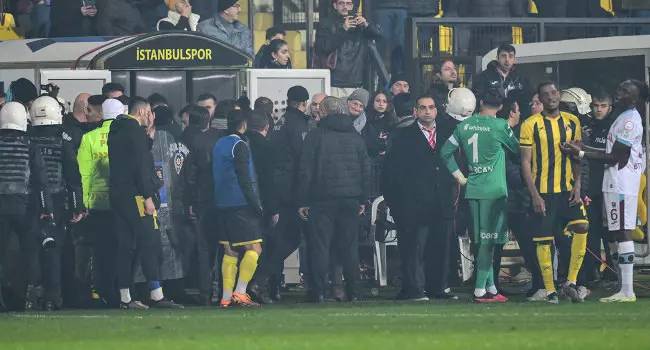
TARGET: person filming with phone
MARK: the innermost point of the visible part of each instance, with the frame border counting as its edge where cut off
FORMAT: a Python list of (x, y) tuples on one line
[(342, 46)]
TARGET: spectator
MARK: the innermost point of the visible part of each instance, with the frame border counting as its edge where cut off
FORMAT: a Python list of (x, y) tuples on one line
[(332, 191), (8, 29), (403, 110), (277, 56), (445, 79), (244, 103), (70, 19), (265, 105), (503, 73), (357, 102), (425, 8), (184, 117), (112, 90), (380, 112), (342, 41), (481, 43), (225, 27), (40, 20), (416, 192), (536, 105), (391, 18), (119, 17), (399, 84), (24, 91), (181, 18), (314, 108), (271, 34)]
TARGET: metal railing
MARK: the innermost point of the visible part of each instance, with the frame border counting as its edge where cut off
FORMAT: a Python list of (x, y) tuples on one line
[(431, 39)]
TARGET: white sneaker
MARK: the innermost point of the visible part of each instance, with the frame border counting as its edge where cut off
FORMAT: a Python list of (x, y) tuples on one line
[(583, 292), (619, 298), (540, 295)]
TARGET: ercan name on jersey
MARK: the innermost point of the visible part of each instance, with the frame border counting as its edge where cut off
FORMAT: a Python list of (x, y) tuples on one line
[(480, 169)]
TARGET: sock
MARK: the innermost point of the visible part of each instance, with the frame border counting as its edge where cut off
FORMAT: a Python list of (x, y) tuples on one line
[(247, 269), (155, 291), (546, 264), (626, 264), (484, 260), (492, 289), (228, 274), (125, 295), (489, 284), (479, 292), (613, 250), (578, 250)]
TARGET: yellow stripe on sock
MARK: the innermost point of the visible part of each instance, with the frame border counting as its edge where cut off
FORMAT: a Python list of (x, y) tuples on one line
[(248, 266), (229, 272)]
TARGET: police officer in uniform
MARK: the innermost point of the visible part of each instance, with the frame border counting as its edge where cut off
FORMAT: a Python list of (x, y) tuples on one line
[(22, 178), (47, 132)]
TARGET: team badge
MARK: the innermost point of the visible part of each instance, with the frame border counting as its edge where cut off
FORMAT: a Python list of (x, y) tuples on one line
[(178, 153)]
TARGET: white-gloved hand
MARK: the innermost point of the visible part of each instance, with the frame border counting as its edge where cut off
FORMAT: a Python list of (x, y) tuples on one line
[(460, 178)]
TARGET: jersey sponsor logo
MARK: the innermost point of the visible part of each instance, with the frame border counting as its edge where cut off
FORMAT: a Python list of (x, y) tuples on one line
[(477, 128), (628, 125), (489, 235)]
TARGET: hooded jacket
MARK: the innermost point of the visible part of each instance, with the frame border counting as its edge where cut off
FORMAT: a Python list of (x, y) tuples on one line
[(334, 163), (235, 34)]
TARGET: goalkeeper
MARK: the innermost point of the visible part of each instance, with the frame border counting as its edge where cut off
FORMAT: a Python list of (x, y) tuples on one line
[(483, 139)]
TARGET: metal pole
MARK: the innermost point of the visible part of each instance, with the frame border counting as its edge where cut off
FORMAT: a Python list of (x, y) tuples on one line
[(309, 15), (251, 19)]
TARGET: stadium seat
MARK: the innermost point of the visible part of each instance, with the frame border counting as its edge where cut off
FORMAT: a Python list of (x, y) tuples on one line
[(299, 59), (263, 21), (259, 37), (294, 40)]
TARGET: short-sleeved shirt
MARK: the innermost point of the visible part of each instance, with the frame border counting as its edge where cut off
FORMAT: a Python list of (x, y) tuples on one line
[(628, 130), (552, 169)]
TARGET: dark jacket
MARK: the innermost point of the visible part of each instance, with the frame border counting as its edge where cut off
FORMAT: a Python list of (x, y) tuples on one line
[(416, 184), (67, 20), (263, 158), (594, 134), (73, 131), (119, 17), (130, 160), (390, 4), (351, 49), (287, 145), (334, 163), (517, 87), (440, 93), (235, 179), (197, 170), (423, 8)]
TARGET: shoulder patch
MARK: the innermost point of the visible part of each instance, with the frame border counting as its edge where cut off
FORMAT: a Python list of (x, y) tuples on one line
[(66, 137)]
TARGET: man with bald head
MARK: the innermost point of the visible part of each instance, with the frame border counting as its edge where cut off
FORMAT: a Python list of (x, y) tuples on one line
[(314, 106)]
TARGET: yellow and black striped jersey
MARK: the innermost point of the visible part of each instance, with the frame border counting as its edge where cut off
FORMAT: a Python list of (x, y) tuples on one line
[(551, 168)]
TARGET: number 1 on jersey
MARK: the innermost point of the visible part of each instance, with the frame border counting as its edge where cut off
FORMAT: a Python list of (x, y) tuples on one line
[(474, 142)]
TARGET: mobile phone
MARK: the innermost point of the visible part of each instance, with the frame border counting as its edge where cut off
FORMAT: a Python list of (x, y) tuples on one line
[(88, 3)]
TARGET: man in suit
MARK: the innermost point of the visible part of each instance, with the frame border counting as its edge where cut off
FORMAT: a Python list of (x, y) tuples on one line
[(417, 192)]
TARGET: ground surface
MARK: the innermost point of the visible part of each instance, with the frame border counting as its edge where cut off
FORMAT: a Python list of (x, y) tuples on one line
[(365, 325)]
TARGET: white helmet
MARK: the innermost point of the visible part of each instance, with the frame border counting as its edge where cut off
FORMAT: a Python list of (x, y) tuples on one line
[(579, 97), (13, 116), (462, 103), (46, 110)]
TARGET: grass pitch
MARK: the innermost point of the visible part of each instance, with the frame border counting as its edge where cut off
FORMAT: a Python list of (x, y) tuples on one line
[(365, 325)]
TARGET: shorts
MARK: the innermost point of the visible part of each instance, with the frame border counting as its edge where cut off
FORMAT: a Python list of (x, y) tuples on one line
[(239, 226), (559, 214), (620, 211), (489, 220)]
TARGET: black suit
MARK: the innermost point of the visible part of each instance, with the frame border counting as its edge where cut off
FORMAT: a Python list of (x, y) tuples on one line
[(417, 187)]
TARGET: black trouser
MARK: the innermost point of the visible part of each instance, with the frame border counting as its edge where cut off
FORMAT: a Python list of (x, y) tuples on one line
[(137, 237), (437, 257), (334, 222), (29, 244), (411, 241), (518, 226), (286, 239), (50, 258), (197, 247), (102, 224)]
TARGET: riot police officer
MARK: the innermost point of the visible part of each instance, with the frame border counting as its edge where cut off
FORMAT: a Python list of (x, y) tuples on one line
[(22, 178), (47, 132)]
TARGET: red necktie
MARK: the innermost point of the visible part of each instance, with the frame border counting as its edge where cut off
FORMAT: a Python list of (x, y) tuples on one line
[(432, 138)]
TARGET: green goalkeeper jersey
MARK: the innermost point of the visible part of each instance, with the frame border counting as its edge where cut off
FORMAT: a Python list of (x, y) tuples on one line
[(483, 140)]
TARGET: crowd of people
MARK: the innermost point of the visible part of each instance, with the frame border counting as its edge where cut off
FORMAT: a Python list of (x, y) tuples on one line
[(223, 193)]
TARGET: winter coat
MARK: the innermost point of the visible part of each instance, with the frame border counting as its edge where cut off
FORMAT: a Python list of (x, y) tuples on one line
[(235, 34), (263, 159), (119, 17), (334, 163), (594, 134), (517, 87), (197, 170), (287, 148), (73, 131), (350, 47)]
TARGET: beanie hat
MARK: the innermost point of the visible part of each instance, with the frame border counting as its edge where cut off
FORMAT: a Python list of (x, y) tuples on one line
[(297, 94), (223, 5), (361, 95), (111, 108), (395, 78)]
